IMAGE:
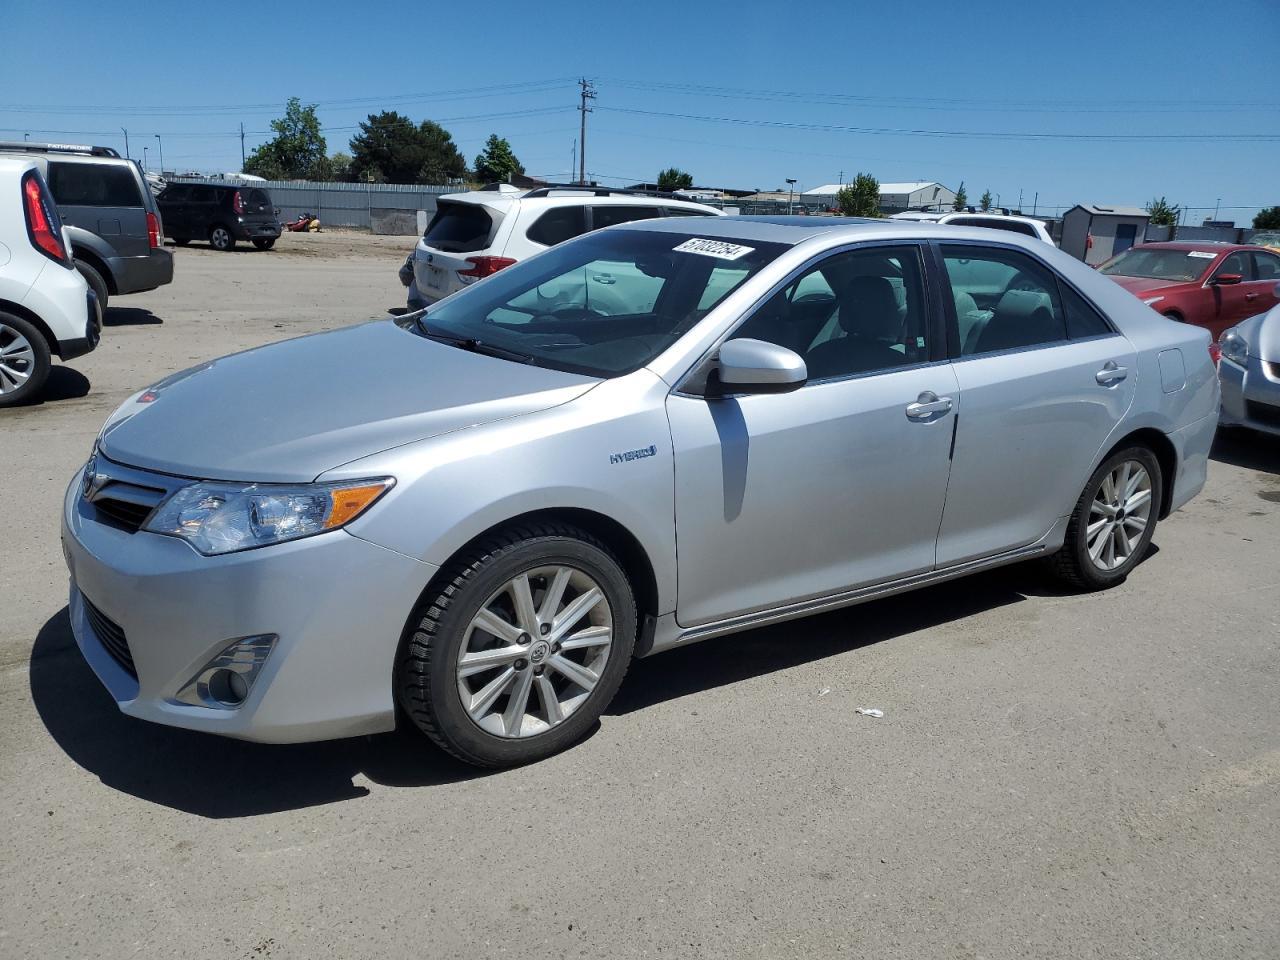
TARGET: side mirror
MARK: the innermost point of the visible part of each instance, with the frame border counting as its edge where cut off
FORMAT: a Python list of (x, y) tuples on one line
[(1226, 279), (753, 366)]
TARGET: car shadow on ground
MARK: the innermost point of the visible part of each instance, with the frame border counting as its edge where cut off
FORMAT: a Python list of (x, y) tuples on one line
[(220, 778), (129, 317), (1244, 448), (64, 383)]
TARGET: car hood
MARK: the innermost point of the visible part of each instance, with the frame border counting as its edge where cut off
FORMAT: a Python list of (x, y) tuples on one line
[(1262, 333), (289, 411), (1141, 285)]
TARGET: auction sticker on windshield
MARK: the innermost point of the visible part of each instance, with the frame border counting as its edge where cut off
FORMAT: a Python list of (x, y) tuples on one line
[(713, 248), (1201, 254)]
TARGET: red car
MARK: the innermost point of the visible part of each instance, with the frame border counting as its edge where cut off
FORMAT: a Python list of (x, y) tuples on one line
[(1213, 285)]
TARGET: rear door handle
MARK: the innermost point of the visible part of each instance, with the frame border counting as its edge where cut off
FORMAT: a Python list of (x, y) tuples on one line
[(927, 404), (1111, 373), (1251, 296)]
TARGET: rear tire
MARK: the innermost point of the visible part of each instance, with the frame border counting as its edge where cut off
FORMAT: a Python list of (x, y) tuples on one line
[(24, 360), (220, 238), (96, 283), (498, 724), (265, 244), (1113, 521)]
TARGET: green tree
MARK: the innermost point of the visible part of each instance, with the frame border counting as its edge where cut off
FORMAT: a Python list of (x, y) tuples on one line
[(673, 178), (1267, 219), (392, 148), (985, 202), (1163, 214), (297, 151), (496, 163), (962, 198), (861, 198)]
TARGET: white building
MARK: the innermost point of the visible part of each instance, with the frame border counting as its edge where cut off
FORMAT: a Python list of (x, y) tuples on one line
[(895, 197)]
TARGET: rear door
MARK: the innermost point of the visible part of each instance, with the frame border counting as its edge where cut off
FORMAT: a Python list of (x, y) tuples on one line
[(1043, 380), (103, 198), (1262, 295), (173, 210)]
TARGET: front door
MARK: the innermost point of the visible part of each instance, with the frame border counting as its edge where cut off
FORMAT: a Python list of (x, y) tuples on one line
[(785, 497), (1044, 380)]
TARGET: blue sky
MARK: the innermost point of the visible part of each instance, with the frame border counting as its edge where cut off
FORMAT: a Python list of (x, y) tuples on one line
[(739, 94)]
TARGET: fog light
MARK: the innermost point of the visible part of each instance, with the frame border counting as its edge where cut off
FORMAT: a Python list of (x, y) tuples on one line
[(225, 681)]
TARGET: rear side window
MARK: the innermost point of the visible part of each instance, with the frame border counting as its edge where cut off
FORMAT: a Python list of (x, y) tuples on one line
[(608, 216), (1010, 225), (1082, 319), (175, 194), (201, 194), (558, 225), (1268, 266), (1004, 300), (94, 185), (684, 212), (459, 228)]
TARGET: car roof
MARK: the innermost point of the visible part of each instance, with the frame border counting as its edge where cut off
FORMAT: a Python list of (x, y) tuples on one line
[(1003, 217), (15, 164), (1203, 246), (504, 199)]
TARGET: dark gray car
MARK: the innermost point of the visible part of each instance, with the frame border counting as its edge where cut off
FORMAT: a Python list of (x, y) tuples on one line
[(117, 238), (221, 213)]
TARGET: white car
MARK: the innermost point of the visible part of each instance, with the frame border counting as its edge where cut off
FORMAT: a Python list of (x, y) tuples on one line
[(46, 307), (1027, 226), (476, 234)]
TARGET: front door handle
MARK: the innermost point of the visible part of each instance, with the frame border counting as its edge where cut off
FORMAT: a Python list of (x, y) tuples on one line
[(1111, 373), (927, 404), (1251, 296)]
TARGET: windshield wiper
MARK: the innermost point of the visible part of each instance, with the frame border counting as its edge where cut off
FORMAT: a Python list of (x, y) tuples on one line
[(475, 345)]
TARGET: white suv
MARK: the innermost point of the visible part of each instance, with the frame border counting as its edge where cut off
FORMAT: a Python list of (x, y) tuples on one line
[(475, 234), (46, 307)]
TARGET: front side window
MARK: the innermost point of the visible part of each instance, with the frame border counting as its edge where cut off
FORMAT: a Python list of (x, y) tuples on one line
[(94, 185), (603, 305), (857, 312), (1237, 263), (1004, 300)]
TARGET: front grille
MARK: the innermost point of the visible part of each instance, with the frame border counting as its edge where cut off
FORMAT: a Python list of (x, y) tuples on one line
[(1263, 413), (110, 635), (130, 516), (125, 505)]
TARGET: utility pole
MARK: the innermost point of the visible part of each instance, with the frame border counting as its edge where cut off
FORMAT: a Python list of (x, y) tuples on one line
[(126, 143), (791, 194), (588, 92), (242, 146), (573, 158), (1035, 203)]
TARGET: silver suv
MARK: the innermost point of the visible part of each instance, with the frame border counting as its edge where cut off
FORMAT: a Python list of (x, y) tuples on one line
[(111, 216), (644, 437)]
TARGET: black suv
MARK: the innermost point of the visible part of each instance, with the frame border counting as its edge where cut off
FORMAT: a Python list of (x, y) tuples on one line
[(221, 213)]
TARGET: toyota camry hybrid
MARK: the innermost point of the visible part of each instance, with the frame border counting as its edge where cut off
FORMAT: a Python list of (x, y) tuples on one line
[(651, 435)]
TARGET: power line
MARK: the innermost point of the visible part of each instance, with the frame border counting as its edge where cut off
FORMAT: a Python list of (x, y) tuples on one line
[(957, 134)]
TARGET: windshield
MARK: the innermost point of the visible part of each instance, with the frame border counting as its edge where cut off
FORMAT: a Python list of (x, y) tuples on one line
[(1172, 265), (604, 304)]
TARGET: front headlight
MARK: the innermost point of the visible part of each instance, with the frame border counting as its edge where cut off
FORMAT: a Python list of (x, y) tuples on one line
[(225, 517), (1235, 348)]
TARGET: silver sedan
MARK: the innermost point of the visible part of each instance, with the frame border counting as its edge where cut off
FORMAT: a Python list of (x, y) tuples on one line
[(645, 437), (1250, 373)]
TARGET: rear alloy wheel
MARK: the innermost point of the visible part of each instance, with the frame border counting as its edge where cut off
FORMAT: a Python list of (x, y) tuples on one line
[(1113, 522), (522, 650), (220, 238), (24, 360), (265, 243)]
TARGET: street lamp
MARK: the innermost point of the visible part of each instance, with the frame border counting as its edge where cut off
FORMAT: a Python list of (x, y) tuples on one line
[(126, 141), (26, 137), (144, 159), (161, 142), (791, 191)]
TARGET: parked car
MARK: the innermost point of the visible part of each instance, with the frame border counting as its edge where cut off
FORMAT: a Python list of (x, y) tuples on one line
[(1269, 240), (117, 239), (757, 423), (1211, 285), (46, 307), (1027, 226), (221, 213), (476, 234), (1250, 373)]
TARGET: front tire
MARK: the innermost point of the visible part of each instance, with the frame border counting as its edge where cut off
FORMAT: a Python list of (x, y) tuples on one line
[(1113, 521), (24, 360), (96, 283), (265, 243), (516, 651), (220, 238)]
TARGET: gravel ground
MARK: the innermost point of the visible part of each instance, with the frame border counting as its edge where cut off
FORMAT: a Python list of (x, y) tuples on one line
[(1055, 775)]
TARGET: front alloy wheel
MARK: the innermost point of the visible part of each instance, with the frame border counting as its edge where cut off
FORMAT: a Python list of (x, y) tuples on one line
[(519, 644)]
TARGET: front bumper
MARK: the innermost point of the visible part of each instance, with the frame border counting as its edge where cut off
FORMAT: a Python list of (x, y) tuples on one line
[(1250, 395), (337, 603)]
